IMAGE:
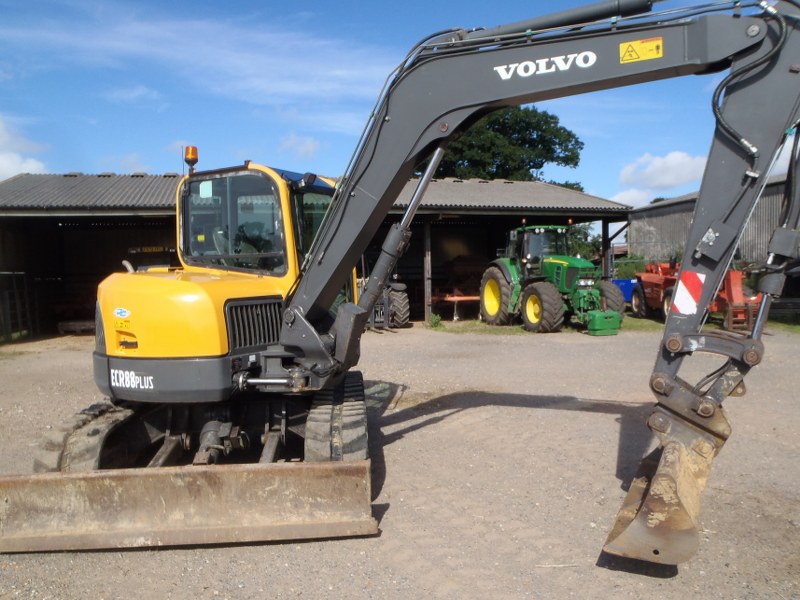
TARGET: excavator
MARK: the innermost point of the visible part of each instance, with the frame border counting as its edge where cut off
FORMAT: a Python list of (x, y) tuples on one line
[(234, 411)]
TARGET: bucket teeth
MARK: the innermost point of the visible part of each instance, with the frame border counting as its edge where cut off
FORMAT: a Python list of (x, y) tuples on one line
[(659, 518)]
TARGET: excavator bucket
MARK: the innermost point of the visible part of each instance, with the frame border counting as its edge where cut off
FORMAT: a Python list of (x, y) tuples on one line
[(659, 518), (171, 506)]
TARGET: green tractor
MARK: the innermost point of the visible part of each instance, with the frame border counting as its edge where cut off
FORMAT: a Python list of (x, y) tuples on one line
[(536, 279)]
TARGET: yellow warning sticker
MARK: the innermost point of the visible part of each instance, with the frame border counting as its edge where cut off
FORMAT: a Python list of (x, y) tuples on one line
[(639, 50)]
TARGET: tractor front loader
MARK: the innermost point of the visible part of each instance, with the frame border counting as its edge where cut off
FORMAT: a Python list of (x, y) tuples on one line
[(241, 358)]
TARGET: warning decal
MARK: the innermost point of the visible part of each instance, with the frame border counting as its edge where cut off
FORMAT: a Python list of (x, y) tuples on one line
[(639, 50), (687, 293)]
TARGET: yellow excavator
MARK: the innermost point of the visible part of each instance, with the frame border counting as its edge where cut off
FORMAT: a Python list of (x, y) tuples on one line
[(234, 412)]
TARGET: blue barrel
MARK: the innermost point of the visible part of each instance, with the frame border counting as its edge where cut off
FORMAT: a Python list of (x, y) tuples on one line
[(626, 285)]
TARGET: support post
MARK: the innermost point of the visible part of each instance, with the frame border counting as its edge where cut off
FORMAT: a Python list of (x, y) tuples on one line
[(426, 271)]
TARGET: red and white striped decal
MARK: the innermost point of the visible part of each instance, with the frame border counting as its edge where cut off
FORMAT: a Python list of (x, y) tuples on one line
[(687, 294)]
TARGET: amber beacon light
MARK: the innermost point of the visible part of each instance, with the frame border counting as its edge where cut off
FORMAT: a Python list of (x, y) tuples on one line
[(190, 157)]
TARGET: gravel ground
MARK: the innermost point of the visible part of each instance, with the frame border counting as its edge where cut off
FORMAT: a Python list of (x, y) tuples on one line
[(498, 467)]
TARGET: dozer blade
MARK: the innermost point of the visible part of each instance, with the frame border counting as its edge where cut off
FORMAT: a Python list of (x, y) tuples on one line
[(658, 521), (174, 506)]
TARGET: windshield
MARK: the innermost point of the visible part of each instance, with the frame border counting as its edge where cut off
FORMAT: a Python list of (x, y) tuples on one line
[(234, 220), (545, 242)]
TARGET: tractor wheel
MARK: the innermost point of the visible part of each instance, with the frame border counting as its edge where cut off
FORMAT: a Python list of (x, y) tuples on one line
[(495, 297), (399, 309), (666, 303), (614, 298), (639, 306), (542, 308)]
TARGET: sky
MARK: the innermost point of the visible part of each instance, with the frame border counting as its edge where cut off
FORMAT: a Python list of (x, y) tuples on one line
[(122, 86)]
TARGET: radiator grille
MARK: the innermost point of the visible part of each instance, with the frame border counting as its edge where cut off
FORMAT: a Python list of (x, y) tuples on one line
[(572, 275), (253, 322)]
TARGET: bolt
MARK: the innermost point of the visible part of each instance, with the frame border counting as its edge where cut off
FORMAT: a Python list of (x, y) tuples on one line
[(674, 343), (703, 448), (751, 357), (753, 30), (705, 408), (289, 316), (443, 127), (659, 384), (739, 390), (658, 422)]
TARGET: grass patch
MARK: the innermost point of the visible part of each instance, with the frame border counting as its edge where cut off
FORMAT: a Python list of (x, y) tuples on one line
[(476, 326), (783, 324), (630, 323)]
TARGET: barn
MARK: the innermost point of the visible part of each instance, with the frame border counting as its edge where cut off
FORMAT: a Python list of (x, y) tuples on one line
[(61, 234), (658, 231)]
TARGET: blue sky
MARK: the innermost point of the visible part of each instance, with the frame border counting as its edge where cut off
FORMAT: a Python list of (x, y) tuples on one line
[(121, 86)]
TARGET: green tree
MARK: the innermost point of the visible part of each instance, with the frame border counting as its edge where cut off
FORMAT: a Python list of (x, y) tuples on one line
[(582, 242), (512, 143)]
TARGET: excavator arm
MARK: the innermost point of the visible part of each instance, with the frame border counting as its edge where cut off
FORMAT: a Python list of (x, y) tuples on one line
[(454, 78)]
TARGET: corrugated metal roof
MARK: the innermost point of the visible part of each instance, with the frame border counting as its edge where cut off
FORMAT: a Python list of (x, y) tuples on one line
[(76, 192), (512, 196), (688, 199)]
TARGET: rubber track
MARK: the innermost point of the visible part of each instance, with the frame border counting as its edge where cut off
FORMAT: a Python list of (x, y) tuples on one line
[(76, 444), (336, 428)]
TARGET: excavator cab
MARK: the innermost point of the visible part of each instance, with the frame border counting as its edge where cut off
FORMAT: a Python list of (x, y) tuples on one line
[(234, 220)]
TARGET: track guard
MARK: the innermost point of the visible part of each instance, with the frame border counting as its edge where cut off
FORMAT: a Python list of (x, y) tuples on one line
[(659, 518)]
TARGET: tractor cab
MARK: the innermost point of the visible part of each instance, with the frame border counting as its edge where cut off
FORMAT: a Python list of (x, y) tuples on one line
[(532, 244)]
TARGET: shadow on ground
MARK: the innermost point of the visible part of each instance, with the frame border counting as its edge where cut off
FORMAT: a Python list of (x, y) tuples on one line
[(387, 415), (634, 437)]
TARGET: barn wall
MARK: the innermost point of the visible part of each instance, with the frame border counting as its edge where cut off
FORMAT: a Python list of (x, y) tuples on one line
[(660, 231)]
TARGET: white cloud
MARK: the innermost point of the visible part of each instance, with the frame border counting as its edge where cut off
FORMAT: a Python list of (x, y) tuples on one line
[(13, 148), (633, 197), (301, 147), (650, 177), (13, 164), (663, 172)]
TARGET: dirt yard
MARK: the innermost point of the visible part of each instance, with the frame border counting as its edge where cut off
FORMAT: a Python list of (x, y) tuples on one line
[(498, 467)]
